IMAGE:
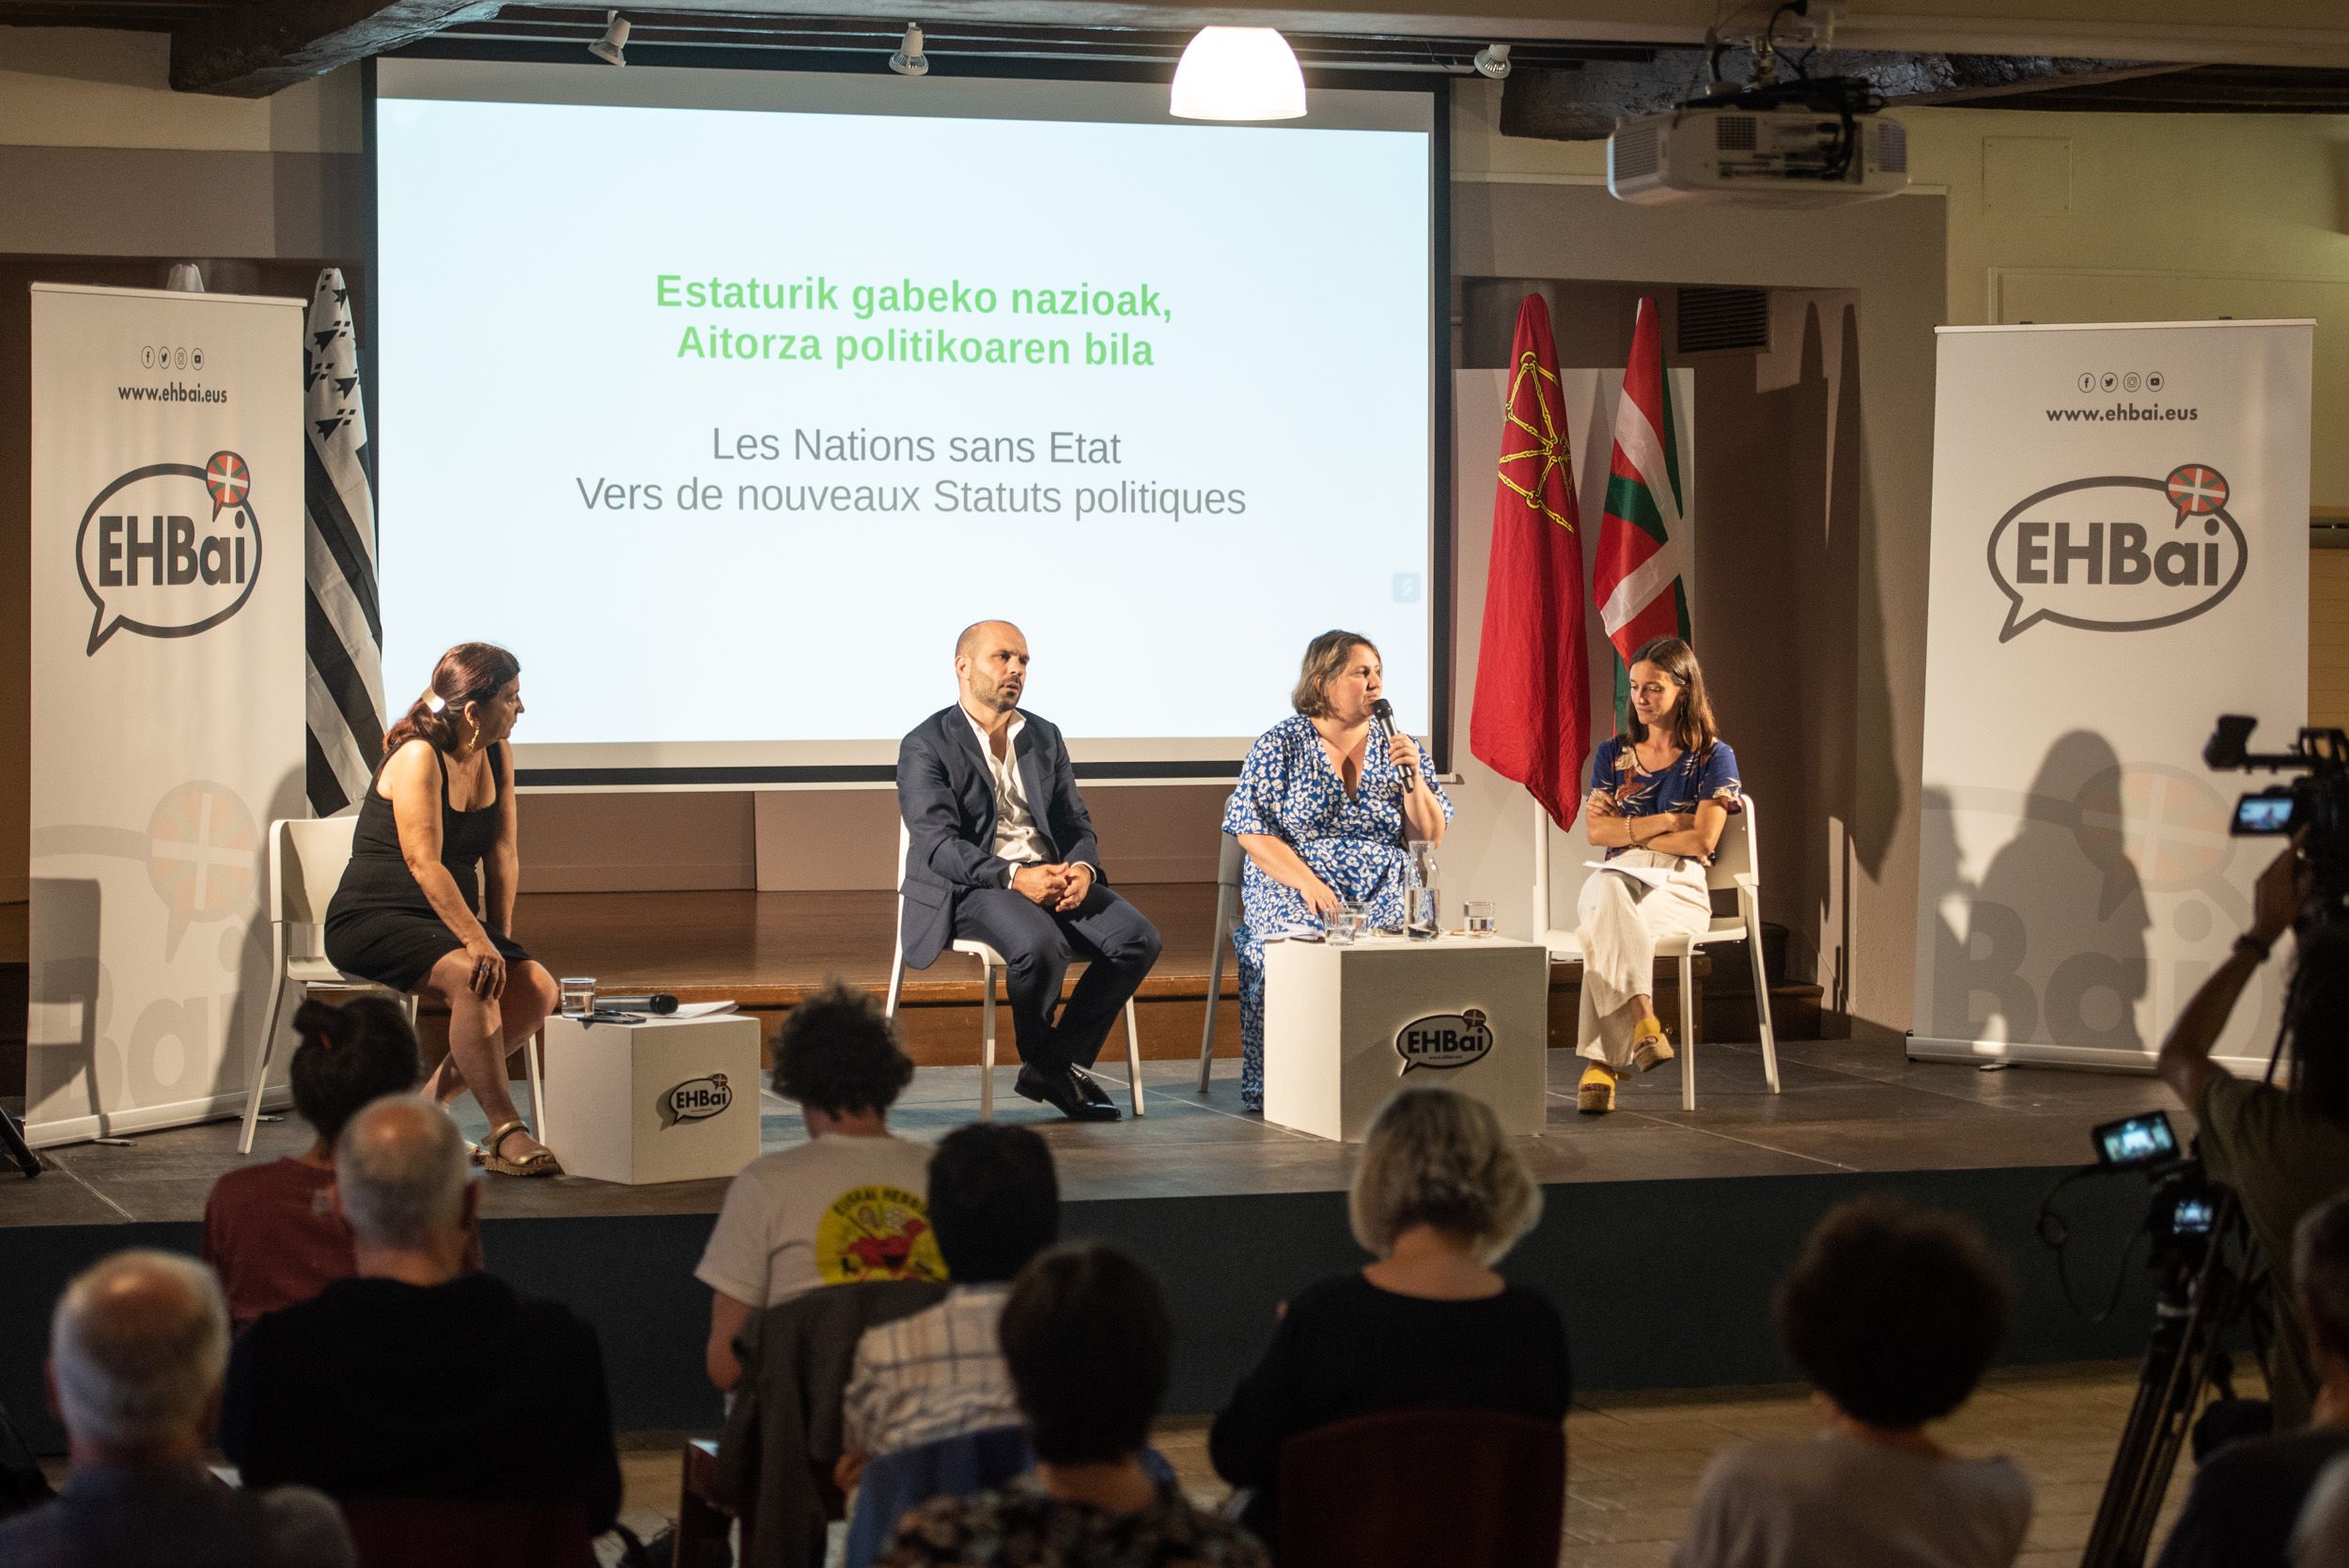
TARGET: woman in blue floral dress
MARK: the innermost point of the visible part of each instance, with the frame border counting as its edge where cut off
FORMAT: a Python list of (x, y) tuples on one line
[(1324, 815)]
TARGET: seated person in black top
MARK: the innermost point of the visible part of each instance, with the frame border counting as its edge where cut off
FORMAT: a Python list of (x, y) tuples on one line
[(2249, 1494), (426, 900), (1439, 1198), (415, 1379), (136, 1352)]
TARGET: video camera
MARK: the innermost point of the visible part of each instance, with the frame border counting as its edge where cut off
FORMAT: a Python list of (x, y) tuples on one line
[(2313, 808), (2183, 1206)]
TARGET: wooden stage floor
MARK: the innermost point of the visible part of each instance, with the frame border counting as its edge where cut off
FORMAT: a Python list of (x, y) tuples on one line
[(1847, 1108)]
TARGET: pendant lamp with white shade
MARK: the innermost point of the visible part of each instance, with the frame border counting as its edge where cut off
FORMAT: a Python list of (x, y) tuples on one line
[(1238, 73)]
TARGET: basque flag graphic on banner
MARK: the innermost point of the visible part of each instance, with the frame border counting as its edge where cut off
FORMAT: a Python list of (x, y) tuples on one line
[(1643, 547), (1532, 720)]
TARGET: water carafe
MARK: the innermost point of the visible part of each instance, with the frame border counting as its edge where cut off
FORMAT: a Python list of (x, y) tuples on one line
[(1423, 898)]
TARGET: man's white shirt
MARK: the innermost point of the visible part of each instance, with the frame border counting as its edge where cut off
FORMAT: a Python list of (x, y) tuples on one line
[(1016, 838)]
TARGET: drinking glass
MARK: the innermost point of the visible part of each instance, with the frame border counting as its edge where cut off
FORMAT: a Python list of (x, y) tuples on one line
[(1478, 915), (579, 994), (1347, 924)]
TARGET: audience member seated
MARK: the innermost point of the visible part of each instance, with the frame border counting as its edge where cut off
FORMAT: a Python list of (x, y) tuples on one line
[(994, 1206), (2284, 1151), (1086, 1336), (136, 1352), (1893, 1316), (2248, 1496), (271, 1230), (847, 1206), (1438, 1199), (416, 1379)]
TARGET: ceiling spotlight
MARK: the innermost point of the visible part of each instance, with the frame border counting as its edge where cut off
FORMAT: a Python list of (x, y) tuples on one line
[(615, 39), (1238, 73), (908, 60), (1493, 61)]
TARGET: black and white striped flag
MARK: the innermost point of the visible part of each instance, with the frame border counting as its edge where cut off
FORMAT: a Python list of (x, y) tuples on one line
[(343, 623)]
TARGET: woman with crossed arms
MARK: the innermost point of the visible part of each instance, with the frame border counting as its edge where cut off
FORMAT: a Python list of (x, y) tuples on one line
[(1659, 797)]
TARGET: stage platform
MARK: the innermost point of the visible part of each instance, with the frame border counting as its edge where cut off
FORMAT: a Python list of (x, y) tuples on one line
[(1662, 1236)]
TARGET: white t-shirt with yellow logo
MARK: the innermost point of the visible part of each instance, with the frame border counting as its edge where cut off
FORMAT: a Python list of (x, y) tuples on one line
[(834, 1211)]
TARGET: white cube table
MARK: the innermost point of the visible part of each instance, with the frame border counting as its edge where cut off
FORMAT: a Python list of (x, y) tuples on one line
[(666, 1100), (1346, 1027)]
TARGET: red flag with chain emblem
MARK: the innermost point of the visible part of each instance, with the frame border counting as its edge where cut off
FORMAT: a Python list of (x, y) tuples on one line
[(1532, 720)]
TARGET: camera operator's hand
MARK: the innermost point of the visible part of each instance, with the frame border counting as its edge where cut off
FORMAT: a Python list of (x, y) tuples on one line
[(2282, 889)]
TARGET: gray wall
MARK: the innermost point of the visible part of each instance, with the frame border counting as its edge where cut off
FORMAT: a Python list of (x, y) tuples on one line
[(1813, 613)]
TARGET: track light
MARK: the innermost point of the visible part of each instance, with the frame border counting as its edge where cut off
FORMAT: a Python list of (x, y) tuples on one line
[(608, 48), (1493, 61), (1238, 73), (908, 60)]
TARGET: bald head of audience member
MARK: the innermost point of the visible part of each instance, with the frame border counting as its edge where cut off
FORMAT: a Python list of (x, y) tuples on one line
[(137, 1348), (404, 1183)]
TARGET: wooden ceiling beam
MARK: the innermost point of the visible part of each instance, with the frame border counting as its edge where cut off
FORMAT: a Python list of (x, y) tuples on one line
[(250, 51)]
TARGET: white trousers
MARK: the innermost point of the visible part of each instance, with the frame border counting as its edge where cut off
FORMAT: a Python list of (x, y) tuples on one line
[(1623, 917)]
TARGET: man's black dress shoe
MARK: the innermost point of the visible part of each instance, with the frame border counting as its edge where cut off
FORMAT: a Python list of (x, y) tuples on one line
[(1090, 1087), (1058, 1090)]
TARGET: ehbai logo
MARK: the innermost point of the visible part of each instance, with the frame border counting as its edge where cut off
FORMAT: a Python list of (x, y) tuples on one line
[(696, 1100), (150, 567), (1443, 1040), (2117, 553)]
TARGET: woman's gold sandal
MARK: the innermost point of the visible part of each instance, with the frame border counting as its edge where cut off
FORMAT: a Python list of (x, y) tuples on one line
[(1596, 1096), (541, 1163), (1651, 1049)]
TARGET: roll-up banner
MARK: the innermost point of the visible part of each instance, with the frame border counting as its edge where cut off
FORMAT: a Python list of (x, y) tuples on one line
[(2120, 555), (166, 695)]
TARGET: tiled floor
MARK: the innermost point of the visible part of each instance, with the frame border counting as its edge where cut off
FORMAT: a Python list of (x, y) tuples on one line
[(1633, 1460)]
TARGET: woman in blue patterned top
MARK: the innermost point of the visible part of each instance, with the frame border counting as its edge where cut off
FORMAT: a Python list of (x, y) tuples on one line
[(1324, 815), (1659, 798)]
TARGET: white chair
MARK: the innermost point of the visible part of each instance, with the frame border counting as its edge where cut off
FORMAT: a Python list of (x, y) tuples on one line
[(991, 966), (1735, 868), (305, 866), (1230, 861)]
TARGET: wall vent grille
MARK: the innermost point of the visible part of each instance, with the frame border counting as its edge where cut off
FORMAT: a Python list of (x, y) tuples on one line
[(1714, 320)]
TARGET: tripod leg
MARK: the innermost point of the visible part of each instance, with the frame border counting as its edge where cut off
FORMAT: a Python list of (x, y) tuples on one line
[(12, 1145)]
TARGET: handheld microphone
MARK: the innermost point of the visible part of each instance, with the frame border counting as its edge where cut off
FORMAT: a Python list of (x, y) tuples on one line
[(659, 1004), (1383, 711)]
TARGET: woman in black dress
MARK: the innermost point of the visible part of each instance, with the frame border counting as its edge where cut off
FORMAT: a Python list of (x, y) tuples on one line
[(439, 815)]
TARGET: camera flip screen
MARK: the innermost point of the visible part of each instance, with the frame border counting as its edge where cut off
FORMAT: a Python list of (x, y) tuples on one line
[(2258, 815), (2145, 1139)]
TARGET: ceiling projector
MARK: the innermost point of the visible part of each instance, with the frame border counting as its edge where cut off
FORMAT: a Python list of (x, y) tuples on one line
[(1800, 143)]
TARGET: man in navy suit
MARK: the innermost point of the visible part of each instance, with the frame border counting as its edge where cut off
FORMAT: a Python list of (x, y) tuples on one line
[(1002, 851)]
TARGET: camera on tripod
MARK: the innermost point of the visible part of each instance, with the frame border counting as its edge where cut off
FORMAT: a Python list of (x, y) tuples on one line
[(2185, 1208), (2312, 808)]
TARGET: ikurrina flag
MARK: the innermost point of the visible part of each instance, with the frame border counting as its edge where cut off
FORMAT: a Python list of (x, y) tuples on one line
[(1532, 720), (343, 628), (1642, 547)]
